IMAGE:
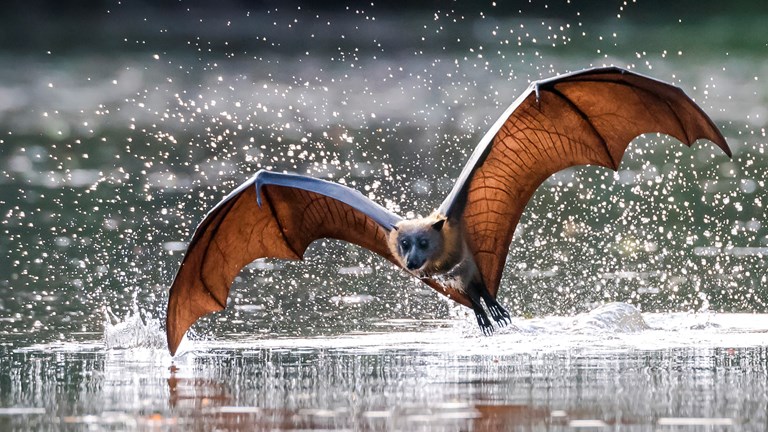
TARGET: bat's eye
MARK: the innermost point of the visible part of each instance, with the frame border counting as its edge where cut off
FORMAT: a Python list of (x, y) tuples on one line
[(423, 243), (405, 244)]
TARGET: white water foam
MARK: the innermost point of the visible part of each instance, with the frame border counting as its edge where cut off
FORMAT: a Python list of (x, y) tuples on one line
[(614, 327), (133, 331)]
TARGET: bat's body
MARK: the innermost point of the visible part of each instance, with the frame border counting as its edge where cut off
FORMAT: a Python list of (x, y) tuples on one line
[(587, 117), (436, 248)]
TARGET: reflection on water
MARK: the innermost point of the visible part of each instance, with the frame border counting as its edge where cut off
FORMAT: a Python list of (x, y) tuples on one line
[(608, 368)]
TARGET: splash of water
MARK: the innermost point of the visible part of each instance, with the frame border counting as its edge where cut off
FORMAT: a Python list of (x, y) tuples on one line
[(133, 331), (613, 317)]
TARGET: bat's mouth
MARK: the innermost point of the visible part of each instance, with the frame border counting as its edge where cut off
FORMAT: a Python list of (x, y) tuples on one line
[(421, 273), (414, 266)]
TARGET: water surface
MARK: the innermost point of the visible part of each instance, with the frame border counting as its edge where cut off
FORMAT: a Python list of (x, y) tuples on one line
[(611, 368)]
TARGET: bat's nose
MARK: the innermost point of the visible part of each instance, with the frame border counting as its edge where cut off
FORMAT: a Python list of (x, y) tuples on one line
[(414, 264)]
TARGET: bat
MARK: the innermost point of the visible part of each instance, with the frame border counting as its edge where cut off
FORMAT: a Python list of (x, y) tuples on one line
[(587, 117)]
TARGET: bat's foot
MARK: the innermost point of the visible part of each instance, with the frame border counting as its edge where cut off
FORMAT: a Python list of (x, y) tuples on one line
[(478, 291), (483, 321), (498, 313)]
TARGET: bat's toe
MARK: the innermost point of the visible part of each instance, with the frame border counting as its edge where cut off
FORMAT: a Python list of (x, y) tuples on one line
[(498, 313), (484, 322), (488, 330)]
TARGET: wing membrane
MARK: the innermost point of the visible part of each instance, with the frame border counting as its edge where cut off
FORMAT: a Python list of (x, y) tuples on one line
[(583, 118), (270, 215)]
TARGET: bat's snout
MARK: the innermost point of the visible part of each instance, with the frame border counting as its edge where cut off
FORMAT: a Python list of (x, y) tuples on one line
[(415, 263)]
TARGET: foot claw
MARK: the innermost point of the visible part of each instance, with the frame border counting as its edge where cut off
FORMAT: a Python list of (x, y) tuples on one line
[(484, 323), (499, 314)]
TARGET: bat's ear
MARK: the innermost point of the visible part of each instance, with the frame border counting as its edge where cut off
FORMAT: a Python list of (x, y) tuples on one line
[(437, 226)]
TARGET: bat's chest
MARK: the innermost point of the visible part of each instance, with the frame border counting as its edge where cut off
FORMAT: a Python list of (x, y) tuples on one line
[(458, 276)]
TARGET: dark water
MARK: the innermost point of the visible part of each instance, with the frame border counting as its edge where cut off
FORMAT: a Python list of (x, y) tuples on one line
[(122, 127)]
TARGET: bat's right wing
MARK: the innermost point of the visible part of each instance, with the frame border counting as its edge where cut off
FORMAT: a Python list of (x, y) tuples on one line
[(586, 117), (271, 215)]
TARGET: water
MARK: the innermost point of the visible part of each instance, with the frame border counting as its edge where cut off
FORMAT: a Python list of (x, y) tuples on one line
[(553, 372), (638, 296)]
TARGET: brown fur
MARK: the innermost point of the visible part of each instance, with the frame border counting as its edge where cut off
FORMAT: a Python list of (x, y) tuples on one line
[(435, 249), (449, 259)]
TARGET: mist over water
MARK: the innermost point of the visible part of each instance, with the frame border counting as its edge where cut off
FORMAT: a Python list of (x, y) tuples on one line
[(123, 127)]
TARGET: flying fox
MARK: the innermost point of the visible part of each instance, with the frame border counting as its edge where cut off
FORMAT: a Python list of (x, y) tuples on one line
[(587, 117)]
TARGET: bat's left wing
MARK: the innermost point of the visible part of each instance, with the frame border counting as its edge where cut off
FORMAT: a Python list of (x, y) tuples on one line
[(586, 117), (270, 215)]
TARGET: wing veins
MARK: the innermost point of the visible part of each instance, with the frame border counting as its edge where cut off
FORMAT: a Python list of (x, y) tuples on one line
[(636, 87), (584, 117), (279, 223), (205, 255)]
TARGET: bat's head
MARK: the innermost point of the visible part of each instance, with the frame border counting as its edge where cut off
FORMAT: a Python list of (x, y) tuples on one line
[(418, 243)]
